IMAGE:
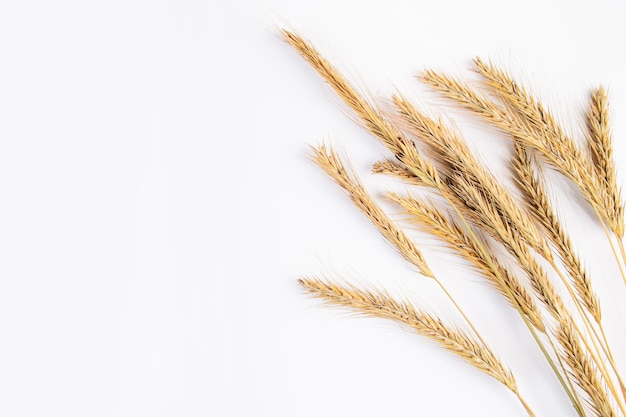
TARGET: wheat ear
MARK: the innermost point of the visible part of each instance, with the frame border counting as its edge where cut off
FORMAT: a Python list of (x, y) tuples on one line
[(376, 303), (600, 143), (368, 115), (344, 176), (582, 369), (536, 198)]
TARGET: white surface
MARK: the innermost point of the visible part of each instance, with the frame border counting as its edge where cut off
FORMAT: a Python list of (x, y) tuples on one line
[(158, 205)]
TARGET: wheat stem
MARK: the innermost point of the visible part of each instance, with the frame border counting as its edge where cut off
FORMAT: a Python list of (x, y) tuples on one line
[(620, 243), (527, 407), (595, 341), (616, 255), (460, 310), (612, 361)]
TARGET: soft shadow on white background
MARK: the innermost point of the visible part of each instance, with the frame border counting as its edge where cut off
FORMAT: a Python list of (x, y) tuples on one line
[(158, 204)]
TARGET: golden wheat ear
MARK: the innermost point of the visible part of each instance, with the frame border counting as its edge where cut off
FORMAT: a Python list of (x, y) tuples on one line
[(536, 198), (370, 116), (377, 303), (600, 143), (345, 177), (380, 304), (584, 372)]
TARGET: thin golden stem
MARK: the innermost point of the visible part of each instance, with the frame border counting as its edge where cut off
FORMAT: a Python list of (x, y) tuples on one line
[(578, 404), (595, 341), (460, 310), (623, 251), (525, 404), (615, 254), (612, 361)]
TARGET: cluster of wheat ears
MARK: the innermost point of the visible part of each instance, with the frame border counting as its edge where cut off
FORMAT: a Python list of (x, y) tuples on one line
[(479, 217)]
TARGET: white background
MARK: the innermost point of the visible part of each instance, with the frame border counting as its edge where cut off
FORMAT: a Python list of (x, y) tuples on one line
[(158, 204)]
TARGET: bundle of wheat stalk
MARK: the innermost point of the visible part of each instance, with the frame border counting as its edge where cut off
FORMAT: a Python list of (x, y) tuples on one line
[(479, 217)]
